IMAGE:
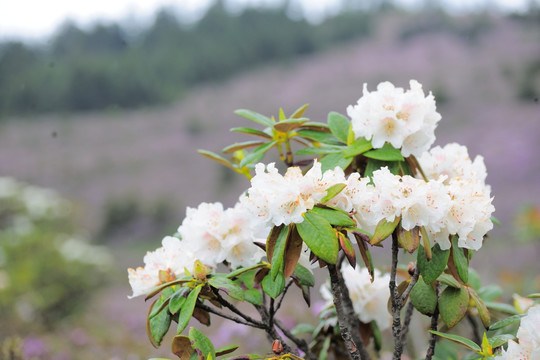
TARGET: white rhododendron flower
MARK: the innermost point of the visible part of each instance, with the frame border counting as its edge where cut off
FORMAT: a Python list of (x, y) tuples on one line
[(405, 119), (282, 199), (452, 161), (172, 258), (218, 235), (369, 299), (528, 336)]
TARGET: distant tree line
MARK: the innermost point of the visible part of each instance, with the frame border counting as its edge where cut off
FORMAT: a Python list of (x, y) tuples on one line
[(109, 67)]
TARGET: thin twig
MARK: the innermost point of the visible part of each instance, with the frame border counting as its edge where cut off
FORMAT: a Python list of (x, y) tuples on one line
[(283, 295), (434, 320), (257, 325), (413, 281), (396, 301), (235, 310), (406, 323), (271, 332)]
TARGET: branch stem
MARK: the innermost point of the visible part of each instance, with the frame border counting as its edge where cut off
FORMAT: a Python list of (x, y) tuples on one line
[(396, 301), (434, 320)]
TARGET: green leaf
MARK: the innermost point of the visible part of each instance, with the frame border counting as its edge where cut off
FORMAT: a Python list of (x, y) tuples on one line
[(252, 295), (483, 311), (319, 136), (383, 230), (202, 344), (157, 326), (241, 271), (304, 275), (226, 350), (331, 161), (534, 296), (319, 150), (495, 221), (298, 113), (432, 269), (332, 192), (490, 293), (250, 131), (408, 239), (424, 298), (257, 154), (319, 236), (187, 309), (277, 253), (290, 124), (302, 329), (500, 340), (501, 307), (216, 157), (474, 280), (273, 287), (241, 145), (256, 117), (227, 285), (339, 125), (178, 299), (334, 216), (358, 147), (460, 260), (323, 354), (506, 322), (386, 153), (453, 305), (449, 280), (471, 345)]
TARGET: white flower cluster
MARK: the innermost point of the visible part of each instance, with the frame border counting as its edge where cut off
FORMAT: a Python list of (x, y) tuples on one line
[(405, 119), (528, 335), (369, 299), (469, 215), (172, 258), (216, 235), (209, 234)]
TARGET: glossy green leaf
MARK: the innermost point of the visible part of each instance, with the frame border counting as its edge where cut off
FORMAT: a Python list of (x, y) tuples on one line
[(339, 125), (500, 340), (319, 236), (250, 131), (243, 270), (501, 307), (331, 161), (320, 150), (449, 280), (460, 260), (226, 350), (257, 154), (252, 294), (474, 280), (273, 287), (432, 269), (458, 339), (386, 153), (202, 344), (227, 285), (298, 113), (158, 325), (290, 124), (424, 298), (187, 309), (334, 216), (216, 157), (534, 296), (383, 230), (358, 147), (318, 136), (256, 117), (304, 275), (332, 192), (279, 250), (178, 299), (453, 305), (483, 311), (506, 322), (241, 145)]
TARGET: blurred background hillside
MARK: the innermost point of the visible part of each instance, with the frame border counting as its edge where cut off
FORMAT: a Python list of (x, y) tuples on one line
[(109, 114)]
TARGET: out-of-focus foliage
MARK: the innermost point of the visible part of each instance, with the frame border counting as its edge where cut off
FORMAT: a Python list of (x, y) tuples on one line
[(108, 67), (47, 269), (528, 223)]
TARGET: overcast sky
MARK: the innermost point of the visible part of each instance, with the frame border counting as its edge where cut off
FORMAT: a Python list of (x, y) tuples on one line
[(39, 18)]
